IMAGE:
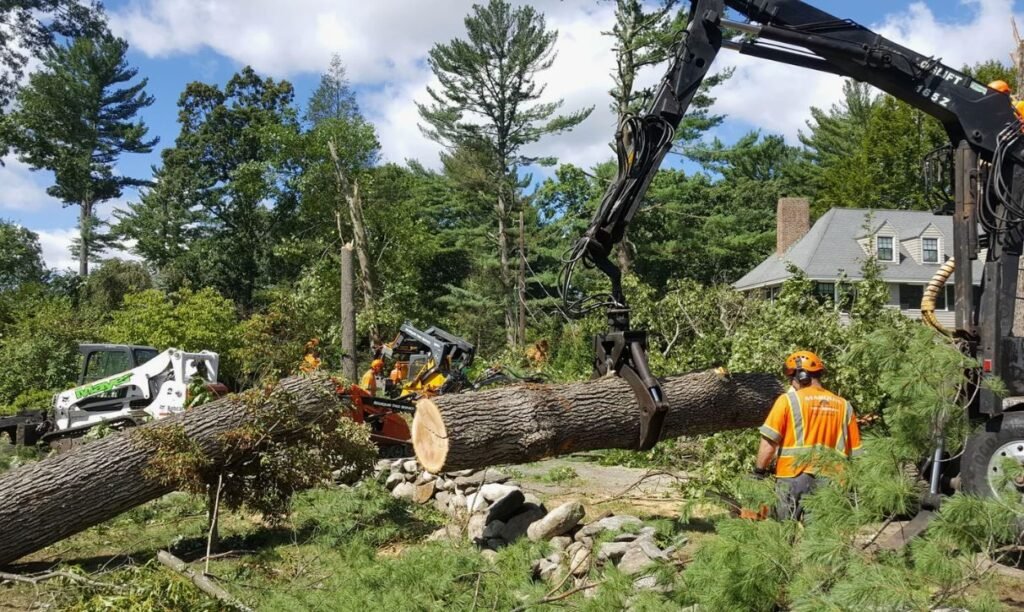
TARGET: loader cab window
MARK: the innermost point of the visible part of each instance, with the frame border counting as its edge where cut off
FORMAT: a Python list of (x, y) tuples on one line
[(101, 364), (143, 355)]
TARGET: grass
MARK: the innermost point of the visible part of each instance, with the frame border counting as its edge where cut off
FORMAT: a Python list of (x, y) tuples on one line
[(560, 475)]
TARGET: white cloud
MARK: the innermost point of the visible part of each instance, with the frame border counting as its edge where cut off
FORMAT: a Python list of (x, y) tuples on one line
[(21, 189), (56, 246), (777, 98), (384, 46)]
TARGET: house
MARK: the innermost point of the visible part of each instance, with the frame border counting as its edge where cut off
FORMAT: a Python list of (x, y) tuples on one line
[(909, 245)]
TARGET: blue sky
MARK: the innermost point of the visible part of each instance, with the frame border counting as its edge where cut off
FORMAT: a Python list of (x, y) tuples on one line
[(384, 46)]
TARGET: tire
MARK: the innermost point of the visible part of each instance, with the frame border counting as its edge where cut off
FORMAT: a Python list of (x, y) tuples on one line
[(980, 466)]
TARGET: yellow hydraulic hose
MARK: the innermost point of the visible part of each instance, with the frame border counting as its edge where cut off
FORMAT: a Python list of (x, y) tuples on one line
[(936, 285)]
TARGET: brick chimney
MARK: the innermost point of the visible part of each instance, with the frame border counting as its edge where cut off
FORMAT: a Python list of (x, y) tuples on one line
[(793, 221)]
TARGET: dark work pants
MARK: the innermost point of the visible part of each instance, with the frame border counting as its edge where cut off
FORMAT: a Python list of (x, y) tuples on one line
[(790, 492)]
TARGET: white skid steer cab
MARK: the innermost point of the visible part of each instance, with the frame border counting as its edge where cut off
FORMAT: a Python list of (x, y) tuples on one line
[(119, 386)]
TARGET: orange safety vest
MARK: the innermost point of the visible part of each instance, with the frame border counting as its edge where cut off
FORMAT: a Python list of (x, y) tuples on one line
[(808, 419), (369, 382)]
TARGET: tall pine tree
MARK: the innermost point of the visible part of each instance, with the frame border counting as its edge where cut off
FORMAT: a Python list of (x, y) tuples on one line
[(76, 117), (488, 99)]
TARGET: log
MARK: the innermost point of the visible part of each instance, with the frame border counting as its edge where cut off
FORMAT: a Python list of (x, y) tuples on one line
[(44, 502), (528, 422)]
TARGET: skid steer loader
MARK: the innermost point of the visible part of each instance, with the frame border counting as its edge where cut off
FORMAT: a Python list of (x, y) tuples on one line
[(119, 386)]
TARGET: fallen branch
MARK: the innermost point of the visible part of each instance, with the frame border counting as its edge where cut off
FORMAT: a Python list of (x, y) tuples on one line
[(202, 581), (38, 578)]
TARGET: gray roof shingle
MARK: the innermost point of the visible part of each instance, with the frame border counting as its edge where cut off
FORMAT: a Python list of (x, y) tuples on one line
[(831, 245)]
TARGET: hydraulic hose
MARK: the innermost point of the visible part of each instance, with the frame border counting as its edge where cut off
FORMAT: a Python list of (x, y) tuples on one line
[(936, 285)]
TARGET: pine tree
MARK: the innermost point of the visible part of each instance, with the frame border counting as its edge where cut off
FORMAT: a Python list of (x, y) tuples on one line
[(31, 29), (488, 97), (74, 119)]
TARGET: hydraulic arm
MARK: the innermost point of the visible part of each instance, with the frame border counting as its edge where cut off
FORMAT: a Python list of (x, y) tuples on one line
[(793, 32)]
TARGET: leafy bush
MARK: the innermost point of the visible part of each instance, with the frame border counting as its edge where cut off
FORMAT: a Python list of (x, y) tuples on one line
[(186, 319), (39, 399), (39, 348)]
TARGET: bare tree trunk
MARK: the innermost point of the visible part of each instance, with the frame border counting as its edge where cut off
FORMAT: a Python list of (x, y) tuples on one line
[(349, 363), (84, 230), (44, 502), (505, 274), (624, 254), (528, 422), (522, 280), (350, 189)]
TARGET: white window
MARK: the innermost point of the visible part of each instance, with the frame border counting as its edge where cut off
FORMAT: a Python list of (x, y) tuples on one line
[(884, 249), (930, 250)]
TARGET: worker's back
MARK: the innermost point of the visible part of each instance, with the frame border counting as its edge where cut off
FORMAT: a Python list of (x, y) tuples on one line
[(808, 420)]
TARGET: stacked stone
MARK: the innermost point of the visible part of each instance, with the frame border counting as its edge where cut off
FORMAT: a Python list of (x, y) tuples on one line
[(492, 510)]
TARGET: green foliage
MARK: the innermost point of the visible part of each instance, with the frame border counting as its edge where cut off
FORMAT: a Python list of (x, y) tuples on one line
[(185, 319), (145, 588), (21, 257), (33, 28), (39, 347), (106, 288), (29, 401), (560, 475), (264, 462), (75, 119)]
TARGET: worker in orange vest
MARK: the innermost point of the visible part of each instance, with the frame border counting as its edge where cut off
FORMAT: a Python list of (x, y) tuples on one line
[(806, 420), (369, 380)]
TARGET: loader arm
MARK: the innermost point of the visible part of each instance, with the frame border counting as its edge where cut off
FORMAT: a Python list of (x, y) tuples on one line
[(977, 119)]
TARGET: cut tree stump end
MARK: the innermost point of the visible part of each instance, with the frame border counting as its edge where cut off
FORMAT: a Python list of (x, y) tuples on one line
[(429, 436)]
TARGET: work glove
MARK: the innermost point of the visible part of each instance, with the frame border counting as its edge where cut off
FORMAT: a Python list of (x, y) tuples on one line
[(760, 473)]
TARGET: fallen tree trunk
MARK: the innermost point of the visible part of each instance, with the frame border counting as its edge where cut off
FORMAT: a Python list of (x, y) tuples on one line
[(47, 501), (523, 423)]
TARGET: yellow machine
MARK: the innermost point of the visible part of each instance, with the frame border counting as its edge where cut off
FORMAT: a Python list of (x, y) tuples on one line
[(427, 363)]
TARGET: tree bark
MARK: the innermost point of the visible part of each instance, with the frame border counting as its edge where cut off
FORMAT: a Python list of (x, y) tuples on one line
[(350, 190), (349, 363), (84, 229), (528, 422), (44, 502), (521, 288), (505, 274)]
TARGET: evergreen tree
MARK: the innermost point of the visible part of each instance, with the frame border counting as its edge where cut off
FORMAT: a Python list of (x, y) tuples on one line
[(31, 29), (74, 119), (488, 97), (333, 98)]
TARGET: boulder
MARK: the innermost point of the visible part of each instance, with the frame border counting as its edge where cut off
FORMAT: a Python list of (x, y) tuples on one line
[(634, 561), (461, 473), (611, 523), (448, 532), (476, 503), (494, 491), (475, 527), (410, 467), (557, 522), (629, 537), (395, 479), (517, 526), (505, 507), (612, 551), (404, 490), (560, 542), (425, 477), (579, 561)]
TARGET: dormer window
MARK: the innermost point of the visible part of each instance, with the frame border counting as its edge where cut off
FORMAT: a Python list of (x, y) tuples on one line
[(930, 250), (884, 249)]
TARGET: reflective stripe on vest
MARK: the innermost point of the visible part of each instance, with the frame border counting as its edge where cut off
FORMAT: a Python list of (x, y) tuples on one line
[(798, 417), (847, 419)]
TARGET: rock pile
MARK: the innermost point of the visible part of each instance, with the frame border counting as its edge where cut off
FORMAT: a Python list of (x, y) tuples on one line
[(492, 510)]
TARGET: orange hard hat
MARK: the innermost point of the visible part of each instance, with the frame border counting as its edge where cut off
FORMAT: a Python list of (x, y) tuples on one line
[(377, 364), (803, 360), (1019, 107), (1000, 85)]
